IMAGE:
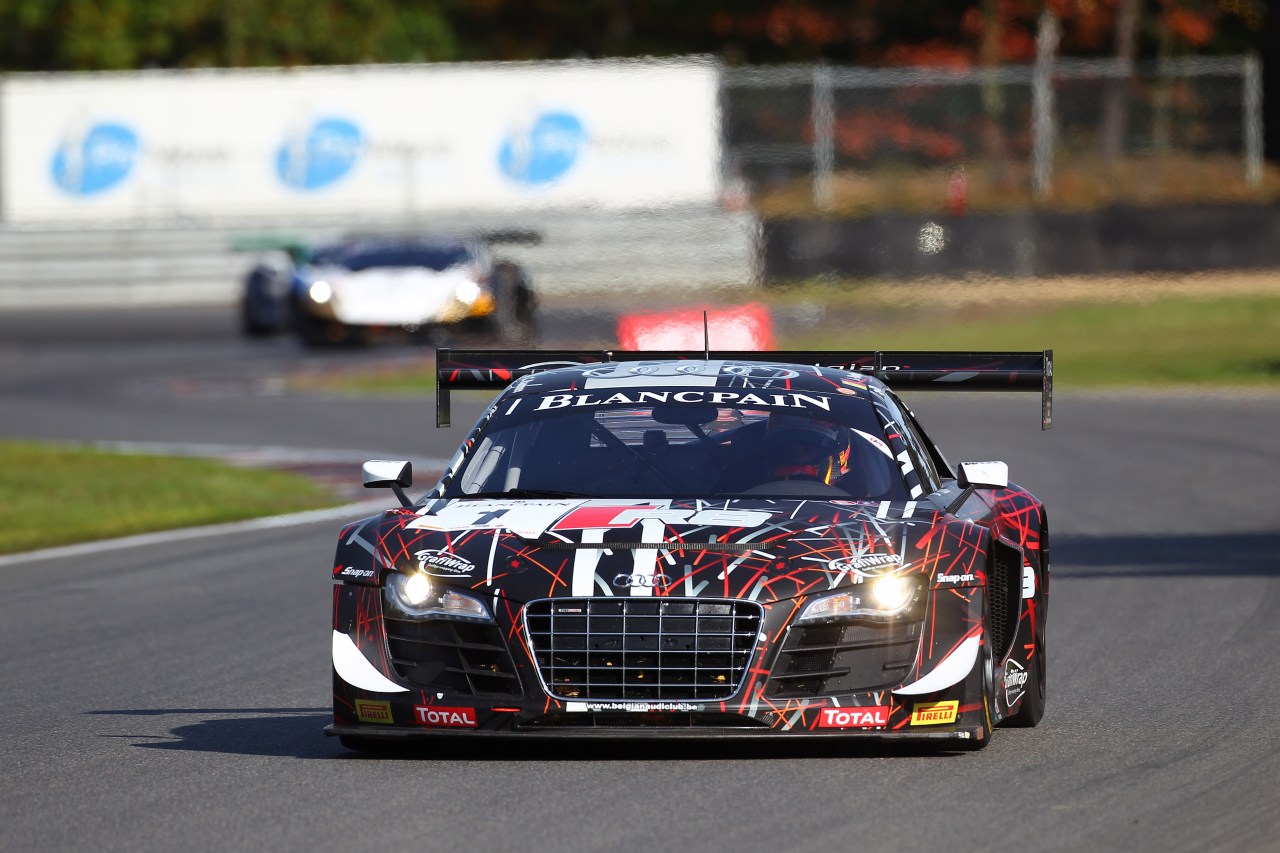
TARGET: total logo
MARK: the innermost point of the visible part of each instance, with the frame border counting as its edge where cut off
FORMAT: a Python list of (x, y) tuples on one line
[(317, 156), (95, 160), (873, 717), (442, 717), (542, 152)]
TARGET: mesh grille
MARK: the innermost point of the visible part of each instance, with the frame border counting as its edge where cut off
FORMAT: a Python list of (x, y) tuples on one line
[(650, 649), (1004, 586), (444, 654), (844, 657)]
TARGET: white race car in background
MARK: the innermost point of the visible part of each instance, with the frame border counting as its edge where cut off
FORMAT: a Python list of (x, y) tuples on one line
[(353, 290)]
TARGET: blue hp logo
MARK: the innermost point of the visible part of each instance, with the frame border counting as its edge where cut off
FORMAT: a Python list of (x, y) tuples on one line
[(321, 155), (96, 160), (544, 152)]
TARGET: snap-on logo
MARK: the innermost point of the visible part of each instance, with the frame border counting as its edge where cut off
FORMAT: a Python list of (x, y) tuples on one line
[(872, 717), (441, 717)]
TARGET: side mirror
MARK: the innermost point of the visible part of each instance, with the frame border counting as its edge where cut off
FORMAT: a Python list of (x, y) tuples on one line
[(396, 475), (983, 475)]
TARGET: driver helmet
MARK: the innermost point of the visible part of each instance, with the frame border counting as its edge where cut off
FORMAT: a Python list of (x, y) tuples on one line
[(803, 446)]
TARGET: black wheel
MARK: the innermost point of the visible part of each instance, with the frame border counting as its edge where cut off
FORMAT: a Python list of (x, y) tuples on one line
[(1031, 710), (251, 326), (513, 318)]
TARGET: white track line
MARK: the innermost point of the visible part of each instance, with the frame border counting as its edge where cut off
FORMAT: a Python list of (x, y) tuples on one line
[(352, 511)]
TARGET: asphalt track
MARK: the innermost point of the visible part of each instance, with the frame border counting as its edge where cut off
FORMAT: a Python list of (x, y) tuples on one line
[(172, 693)]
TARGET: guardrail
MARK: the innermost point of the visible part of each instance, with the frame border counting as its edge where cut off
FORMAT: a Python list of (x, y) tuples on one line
[(194, 263)]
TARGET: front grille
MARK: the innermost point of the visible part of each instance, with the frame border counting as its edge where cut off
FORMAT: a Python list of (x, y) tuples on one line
[(446, 654), (847, 657), (628, 720), (643, 649)]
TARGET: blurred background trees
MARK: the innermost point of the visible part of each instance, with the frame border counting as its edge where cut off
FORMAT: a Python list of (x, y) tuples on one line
[(91, 35)]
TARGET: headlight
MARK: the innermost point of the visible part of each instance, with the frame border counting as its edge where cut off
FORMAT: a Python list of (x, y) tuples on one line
[(320, 292), (884, 597), (418, 596), (467, 292)]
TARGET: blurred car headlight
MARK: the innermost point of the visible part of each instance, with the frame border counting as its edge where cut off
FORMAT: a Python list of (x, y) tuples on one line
[(417, 596), (467, 292), (883, 598), (320, 292)]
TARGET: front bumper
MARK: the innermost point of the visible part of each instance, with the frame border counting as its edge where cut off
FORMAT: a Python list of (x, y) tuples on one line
[(491, 681)]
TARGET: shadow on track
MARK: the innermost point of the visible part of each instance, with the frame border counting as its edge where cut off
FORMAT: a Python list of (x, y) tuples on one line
[(297, 733), (1182, 555)]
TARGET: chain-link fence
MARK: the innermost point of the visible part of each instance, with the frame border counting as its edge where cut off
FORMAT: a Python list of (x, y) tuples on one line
[(1079, 132)]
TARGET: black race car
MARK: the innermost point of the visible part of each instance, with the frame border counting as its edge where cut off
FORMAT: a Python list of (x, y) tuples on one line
[(360, 287), (669, 544)]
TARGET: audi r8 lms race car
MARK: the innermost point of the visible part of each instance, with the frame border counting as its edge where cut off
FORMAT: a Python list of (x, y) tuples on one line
[(667, 544), (351, 290)]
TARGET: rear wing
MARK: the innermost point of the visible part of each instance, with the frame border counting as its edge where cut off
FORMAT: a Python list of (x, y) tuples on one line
[(458, 370)]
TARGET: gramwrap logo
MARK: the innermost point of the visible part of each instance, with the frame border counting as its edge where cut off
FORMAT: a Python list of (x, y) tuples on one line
[(95, 160), (320, 155), (1015, 682), (443, 564), (543, 152), (867, 565)]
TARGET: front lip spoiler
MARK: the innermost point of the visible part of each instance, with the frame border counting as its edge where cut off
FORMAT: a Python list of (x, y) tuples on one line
[(632, 733)]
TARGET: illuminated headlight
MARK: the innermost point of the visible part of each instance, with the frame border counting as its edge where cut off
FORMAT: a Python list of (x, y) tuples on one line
[(884, 597), (467, 292), (416, 595), (320, 292)]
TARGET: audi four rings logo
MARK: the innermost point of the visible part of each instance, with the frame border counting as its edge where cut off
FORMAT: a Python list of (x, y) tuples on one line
[(642, 580)]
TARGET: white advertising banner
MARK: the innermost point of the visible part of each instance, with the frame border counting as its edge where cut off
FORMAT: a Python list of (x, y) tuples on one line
[(369, 140)]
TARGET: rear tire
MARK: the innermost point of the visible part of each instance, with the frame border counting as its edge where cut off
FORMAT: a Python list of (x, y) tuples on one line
[(512, 320)]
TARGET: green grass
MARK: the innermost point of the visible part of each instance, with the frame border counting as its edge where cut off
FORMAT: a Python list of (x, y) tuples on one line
[(57, 495), (1173, 341), (1166, 341)]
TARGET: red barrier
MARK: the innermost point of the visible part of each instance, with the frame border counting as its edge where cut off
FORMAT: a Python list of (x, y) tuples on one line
[(741, 327)]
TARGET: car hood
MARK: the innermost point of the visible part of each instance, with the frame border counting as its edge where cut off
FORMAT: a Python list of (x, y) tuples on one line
[(392, 295), (765, 550)]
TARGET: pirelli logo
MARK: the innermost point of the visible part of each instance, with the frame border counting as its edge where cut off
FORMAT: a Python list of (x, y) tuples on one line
[(373, 711), (934, 713)]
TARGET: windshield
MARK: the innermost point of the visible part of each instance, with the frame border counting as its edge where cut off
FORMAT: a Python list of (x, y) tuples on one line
[(829, 447), (436, 258)]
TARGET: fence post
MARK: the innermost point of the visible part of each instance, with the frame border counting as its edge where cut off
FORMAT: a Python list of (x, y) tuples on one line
[(1253, 120), (1042, 130), (823, 117)]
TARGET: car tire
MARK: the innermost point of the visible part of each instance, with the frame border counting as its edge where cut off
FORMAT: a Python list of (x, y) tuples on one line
[(1031, 711), (512, 321), (251, 326)]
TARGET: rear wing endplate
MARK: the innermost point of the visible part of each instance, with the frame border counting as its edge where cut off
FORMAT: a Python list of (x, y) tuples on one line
[(942, 370)]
